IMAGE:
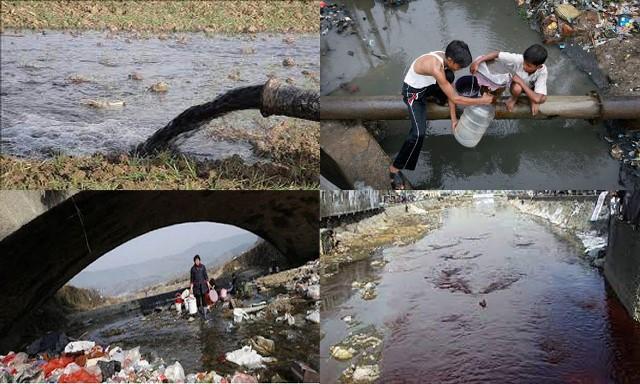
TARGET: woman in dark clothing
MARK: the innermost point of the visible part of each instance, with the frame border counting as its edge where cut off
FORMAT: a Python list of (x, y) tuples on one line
[(199, 283)]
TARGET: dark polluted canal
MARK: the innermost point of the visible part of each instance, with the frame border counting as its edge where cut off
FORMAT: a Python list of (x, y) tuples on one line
[(513, 154), (493, 295)]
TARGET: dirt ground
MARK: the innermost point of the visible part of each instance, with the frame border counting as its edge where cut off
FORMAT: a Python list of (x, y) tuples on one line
[(620, 60), (397, 225), (163, 16)]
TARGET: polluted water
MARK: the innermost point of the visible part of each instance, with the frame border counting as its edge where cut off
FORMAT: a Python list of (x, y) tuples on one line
[(100, 93), (513, 154), (492, 295)]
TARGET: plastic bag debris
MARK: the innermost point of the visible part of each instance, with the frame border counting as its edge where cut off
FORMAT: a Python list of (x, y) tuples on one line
[(79, 346), (314, 316), (131, 357), (247, 357), (109, 368), (54, 364), (263, 345), (314, 292), (287, 317), (175, 373)]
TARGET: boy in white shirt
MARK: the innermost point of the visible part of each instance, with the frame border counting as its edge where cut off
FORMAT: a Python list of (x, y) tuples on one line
[(529, 74)]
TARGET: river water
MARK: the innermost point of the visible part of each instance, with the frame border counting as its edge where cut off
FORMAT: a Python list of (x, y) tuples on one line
[(513, 154), (549, 317), (43, 112)]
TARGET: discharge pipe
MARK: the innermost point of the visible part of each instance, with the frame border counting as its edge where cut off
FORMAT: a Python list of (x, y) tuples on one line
[(272, 98), (556, 107)]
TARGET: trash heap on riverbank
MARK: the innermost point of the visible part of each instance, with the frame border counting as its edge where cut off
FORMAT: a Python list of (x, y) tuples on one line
[(86, 362), (337, 16), (591, 23)]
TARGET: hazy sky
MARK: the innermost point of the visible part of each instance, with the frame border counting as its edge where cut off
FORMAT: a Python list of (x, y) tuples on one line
[(163, 242)]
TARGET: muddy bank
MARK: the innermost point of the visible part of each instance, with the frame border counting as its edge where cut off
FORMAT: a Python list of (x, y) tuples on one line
[(396, 225), (576, 219), (162, 16)]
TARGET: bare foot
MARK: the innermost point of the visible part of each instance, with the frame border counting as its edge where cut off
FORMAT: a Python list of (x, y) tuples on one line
[(510, 104)]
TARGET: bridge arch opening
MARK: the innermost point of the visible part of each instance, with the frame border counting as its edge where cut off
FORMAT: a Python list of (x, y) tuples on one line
[(43, 252)]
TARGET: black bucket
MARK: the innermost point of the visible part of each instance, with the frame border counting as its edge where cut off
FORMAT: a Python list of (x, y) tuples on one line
[(468, 86)]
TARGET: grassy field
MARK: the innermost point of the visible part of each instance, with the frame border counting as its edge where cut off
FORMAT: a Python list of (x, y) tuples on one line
[(292, 148), (163, 16), (164, 171)]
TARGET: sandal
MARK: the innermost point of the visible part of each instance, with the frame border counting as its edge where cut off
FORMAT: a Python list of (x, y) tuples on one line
[(397, 180)]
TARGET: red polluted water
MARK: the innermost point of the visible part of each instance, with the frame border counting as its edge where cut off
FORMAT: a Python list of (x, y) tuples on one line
[(493, 295)]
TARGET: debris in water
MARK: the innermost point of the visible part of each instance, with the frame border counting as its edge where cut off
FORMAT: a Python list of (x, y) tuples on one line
[(135, 76), (366, 374), (104, 103), (159, 87), (483, 303), (341, 353), (78, 79), (288, 62)]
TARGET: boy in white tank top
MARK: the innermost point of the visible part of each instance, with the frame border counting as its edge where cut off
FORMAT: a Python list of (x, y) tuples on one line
[(430, 76)]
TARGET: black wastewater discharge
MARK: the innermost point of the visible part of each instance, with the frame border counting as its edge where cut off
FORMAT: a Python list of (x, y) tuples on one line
[(48, 78), (271, 98), (492, 295)]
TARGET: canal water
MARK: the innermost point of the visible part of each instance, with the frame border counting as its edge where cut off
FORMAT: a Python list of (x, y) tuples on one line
[(548, 318), (528, 154), (43, 112)]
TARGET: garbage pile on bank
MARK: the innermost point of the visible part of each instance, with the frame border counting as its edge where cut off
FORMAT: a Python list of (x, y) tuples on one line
[(85, 361), (592, 23), (336, 16), (626, 148), (56, 358)]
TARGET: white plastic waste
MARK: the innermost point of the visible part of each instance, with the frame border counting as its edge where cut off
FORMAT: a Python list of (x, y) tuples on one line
[(131, 357), (247, 357), (288, 318), (314, 291), (473, 124), (79, 346), (314, 316), (179, 308), (493, 76), (239, 314), (117, 354), (185, 294), (175, 373), (191, 304)]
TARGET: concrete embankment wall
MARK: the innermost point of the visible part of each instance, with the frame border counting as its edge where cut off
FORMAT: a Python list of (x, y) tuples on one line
[(570, 212), (622, 265)]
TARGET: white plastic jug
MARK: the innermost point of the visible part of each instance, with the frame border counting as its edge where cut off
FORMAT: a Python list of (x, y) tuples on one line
[(191, 305), (473, 124), (179, 308)]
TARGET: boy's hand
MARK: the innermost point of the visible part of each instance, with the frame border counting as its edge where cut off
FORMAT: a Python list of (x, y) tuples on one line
[(454, 125), (487, 98), (517, 79), (535, 107), (474, 67)]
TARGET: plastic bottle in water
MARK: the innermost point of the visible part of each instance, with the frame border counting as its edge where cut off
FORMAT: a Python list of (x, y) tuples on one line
[(473, 123)]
